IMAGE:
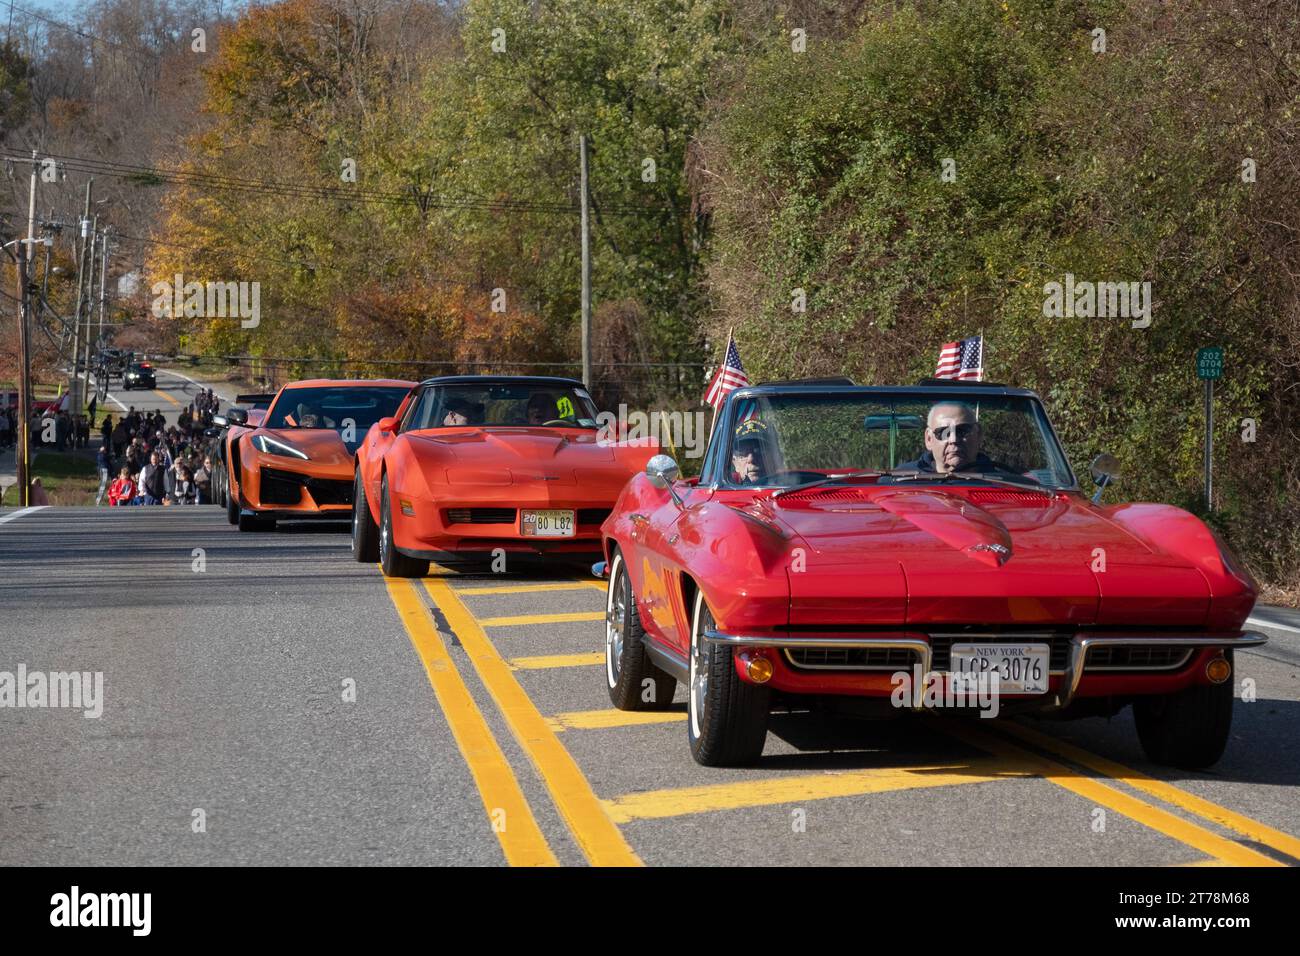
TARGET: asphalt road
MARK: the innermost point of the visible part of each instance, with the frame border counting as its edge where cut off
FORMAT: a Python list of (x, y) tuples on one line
[(481, 732)]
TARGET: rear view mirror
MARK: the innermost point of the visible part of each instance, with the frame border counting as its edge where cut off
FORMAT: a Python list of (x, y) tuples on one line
[(387, 424)]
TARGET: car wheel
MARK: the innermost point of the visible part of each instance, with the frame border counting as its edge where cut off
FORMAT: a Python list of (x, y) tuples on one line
[(727, 717), (393, 562), (635, 682), (365, 533), (1189, 729), (232, 506)]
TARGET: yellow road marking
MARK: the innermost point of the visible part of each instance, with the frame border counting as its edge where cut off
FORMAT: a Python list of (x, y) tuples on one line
[(521, 839), (1229, 819), (603, 719), (547, 661), (566, 618), (657, 804), (526, 588), (1162, 821), (166, 396), (591, 826)]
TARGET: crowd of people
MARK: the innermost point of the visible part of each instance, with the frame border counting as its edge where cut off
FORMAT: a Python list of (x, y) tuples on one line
[(157, 463)]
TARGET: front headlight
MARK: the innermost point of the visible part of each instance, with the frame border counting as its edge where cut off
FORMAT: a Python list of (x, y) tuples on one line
[(269, 446)]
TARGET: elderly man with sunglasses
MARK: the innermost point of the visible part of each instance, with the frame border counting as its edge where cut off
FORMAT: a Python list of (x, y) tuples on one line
[(952, 442)]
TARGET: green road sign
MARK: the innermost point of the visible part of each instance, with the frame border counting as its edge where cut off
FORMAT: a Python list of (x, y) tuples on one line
[(1209, 362)]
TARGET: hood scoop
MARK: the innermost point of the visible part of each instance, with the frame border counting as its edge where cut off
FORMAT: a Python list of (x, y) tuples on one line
[(956, 522)]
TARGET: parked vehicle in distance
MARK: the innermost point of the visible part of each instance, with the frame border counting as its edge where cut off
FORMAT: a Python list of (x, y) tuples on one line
[(901, 545)]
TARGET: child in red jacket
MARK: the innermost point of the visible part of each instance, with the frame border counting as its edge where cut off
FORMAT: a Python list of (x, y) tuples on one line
[(122, 490)]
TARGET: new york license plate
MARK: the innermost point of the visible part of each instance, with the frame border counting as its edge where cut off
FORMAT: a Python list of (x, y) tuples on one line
[(547, 524), (1021, 668)]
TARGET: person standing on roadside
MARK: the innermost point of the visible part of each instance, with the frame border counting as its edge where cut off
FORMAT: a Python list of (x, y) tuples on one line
[(153, 486), (94, 401), (104, 462)]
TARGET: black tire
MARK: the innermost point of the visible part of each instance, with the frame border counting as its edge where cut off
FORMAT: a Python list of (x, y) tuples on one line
[(365, 533), (728, 726), (1189, 729), (232, 506), (630, 674), (393, 562)]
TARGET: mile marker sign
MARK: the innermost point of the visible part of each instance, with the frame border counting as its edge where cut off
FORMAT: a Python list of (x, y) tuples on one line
[(1209, 362)]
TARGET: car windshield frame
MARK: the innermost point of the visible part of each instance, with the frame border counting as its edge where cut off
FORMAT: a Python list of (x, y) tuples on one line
[(286, 395), (717, 457), (569, 389)]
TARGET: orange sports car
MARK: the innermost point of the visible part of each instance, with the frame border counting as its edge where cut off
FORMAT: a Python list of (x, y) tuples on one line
[(297, 462), (477, 464)]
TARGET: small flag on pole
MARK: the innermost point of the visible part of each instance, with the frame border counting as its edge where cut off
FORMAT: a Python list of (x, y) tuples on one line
[(963, 361), (729, 377)]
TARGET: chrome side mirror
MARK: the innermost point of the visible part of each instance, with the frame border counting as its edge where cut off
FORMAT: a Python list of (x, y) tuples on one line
[(662, 472), (1105, 470)]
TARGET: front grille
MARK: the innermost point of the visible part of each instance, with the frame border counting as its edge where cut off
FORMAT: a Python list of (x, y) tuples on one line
[(280, 487), (328, 492), (941, 645), (285, 488), (480, 515), (593, 515), (851, 658), (1138, 657)]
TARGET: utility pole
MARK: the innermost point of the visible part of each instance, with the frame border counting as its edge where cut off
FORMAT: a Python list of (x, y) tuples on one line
[(24, 351), (76, 316), (586, 267), (90, 303), (103, 299)]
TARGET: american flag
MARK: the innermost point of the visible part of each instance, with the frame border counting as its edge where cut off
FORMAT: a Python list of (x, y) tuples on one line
[(728, 378), (962, 360)]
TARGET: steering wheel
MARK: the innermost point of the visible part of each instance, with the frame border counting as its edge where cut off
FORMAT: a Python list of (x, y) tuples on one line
[(558, 421)]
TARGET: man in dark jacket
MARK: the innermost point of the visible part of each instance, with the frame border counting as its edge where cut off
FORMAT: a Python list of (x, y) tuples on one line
[(952, 442), (153, 481)]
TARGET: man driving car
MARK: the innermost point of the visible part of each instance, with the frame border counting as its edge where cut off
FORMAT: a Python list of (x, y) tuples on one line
[(952, 441)]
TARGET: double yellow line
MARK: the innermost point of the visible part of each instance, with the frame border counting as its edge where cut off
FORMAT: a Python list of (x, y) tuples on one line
[(521, 840)]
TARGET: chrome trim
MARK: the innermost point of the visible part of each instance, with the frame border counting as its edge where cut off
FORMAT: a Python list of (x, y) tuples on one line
[(1070, 677), (1082, 642)]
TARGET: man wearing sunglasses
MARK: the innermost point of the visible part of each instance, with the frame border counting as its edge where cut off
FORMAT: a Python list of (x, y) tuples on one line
[(952, 441)]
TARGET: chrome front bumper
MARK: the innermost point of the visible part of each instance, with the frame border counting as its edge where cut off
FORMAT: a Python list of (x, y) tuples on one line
[(1080, 644)]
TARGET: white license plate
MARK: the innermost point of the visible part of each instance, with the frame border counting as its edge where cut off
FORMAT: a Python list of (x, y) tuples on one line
[(1021, 668), (547, 524)]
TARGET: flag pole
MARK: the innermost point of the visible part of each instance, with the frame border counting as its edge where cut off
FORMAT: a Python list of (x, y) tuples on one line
[(725, 349)]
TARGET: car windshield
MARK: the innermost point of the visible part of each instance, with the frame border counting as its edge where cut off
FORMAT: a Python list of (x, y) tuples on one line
[(792, 440), (348, 409), (535, 404)]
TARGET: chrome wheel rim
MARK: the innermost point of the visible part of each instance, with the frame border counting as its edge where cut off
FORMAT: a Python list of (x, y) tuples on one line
[(699, 670), (383, 532), (615, 624)]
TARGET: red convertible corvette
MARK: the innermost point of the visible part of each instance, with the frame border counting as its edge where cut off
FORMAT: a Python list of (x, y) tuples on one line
[(905, 544), (474, 464)]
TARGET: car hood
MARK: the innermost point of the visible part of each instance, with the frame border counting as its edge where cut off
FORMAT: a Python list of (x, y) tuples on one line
[(508, 447), (986, 555)]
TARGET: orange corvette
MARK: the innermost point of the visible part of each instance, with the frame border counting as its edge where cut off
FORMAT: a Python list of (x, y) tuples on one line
[(478, 464), (297, 462)]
